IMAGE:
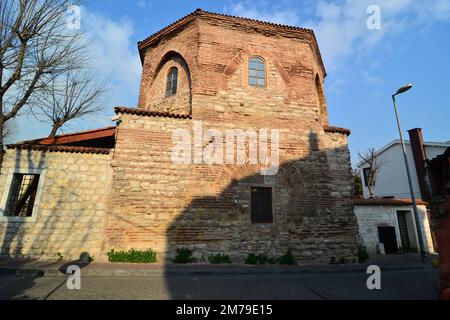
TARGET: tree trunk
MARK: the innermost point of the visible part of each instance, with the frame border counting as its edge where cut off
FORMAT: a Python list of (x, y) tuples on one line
[(2, 123), (2, 120), (55, 129)]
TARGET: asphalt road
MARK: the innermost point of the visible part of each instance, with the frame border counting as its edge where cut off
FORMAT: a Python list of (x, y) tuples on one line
[(403, 284)]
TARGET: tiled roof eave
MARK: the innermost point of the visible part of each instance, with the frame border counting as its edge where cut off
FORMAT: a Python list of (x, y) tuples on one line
[(331, 129), (65, 139), (386, 202), (199, 13), (59, 148), (147, 113)]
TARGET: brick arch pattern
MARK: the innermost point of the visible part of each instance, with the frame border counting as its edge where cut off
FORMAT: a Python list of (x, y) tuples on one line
[(152, 73), (288, 174), (150, 69), (239, 58), (166, 57)]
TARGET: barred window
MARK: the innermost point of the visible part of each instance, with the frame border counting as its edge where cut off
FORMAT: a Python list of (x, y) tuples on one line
[(22, 195), (172, 82), (261, 205), (256, 72)]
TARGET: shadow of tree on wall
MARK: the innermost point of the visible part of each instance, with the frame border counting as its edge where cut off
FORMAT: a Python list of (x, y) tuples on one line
[(312, 208), (49, 234)]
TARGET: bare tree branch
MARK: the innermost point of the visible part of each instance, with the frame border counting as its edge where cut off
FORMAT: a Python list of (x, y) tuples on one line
[(75, 95), (36, 47), (374, 164)]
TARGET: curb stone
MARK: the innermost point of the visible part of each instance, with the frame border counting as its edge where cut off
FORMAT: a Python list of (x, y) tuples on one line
[(40, 272)]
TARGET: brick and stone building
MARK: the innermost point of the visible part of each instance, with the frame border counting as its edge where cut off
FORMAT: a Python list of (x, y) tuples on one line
[(390, 221), (120, 188)]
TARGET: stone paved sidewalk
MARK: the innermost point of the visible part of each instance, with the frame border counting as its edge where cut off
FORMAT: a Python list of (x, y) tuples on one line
[(29, 266)]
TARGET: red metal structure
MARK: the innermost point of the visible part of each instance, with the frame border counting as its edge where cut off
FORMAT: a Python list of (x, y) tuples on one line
[(438, 172)]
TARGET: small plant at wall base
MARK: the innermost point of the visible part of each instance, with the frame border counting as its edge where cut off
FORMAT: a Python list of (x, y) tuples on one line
[(287, 259), (341, 260), (184, 255), (251, 259), (60, 256), (219, 259), (264, 259), (132, 256), (363, 255), (259, 259)]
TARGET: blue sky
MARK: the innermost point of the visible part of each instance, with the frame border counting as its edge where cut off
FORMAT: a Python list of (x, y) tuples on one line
[(364, 66)]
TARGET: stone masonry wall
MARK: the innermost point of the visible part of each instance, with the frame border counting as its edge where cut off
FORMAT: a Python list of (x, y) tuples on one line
[(69, 216), (164, 206), (137, 197), (371, 217)]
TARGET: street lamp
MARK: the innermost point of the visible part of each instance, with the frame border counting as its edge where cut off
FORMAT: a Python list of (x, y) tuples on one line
[(411, 189)]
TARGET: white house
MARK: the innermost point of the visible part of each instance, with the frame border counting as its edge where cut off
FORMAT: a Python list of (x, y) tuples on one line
[(387, 218), (391, 222), (391, 179)]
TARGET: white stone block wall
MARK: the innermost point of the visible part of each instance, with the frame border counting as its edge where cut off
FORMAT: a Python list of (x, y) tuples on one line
[(370, 217), (70, 206)]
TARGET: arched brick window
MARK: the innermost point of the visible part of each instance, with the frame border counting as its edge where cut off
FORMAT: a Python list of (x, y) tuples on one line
[(256, 72), (172, 82)]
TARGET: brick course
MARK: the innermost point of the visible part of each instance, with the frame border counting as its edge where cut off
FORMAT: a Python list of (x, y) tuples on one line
[(141, 199), (160, 205)]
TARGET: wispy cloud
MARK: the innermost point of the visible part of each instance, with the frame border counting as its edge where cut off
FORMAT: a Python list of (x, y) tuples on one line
[(242, 9), (341, 26), (141, 4), (114, 54)]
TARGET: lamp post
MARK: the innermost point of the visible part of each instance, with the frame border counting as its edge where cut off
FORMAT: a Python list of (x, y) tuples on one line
[(411, 188)]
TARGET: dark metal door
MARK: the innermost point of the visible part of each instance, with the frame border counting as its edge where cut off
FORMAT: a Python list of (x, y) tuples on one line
[(388, 238), (403, 228)]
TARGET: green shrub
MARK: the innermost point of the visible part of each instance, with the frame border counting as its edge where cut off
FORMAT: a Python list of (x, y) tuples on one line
[(272, 260), (219, 259), (251, 259), (132, 256), (264, 259), (184, 255), (287, 259), (363, 255), (60, 256), (333, 260), (259, 259), (358, 187)]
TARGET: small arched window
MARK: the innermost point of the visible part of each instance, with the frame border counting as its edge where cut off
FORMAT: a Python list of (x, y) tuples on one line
[(172, 82), (256, 72), (320, 96)]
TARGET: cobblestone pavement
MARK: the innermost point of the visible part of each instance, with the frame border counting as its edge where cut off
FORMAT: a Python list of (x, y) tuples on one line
[(402, 284)]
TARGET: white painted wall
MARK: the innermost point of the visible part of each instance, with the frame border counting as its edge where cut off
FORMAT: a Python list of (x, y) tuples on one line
[(371, 217), (391, 178)]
